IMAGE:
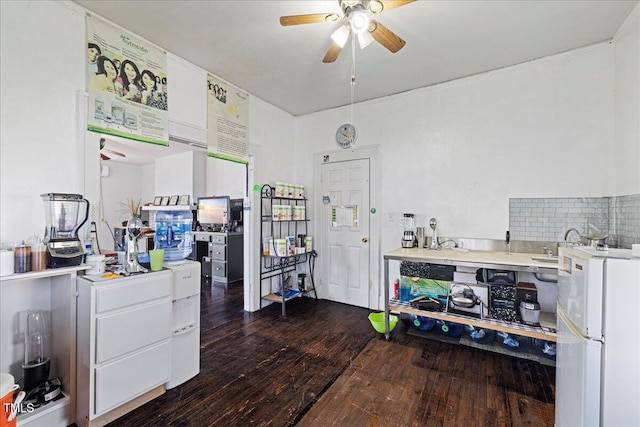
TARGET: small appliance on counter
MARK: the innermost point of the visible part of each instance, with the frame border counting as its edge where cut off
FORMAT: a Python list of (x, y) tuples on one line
[(134, 230), (36, 366), (409, 227), (64, 215)]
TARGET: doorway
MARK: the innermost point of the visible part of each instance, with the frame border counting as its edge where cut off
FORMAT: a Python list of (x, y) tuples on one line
[(347, 227)]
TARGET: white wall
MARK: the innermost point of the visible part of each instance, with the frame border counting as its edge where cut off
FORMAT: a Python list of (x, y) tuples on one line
[(458, 151), (626, 171), (122, 184), (225, 178), (40, 42)]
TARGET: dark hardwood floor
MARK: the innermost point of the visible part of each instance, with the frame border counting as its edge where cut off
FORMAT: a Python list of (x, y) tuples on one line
[(323, 364)]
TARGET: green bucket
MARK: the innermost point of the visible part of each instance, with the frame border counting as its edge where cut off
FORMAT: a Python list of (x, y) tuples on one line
[(377, 321)]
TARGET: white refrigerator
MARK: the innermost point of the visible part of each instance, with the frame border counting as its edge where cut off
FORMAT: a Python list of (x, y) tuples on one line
[(598, 348)]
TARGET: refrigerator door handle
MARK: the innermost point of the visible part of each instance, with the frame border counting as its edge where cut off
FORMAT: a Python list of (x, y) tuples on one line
[(574, 330)]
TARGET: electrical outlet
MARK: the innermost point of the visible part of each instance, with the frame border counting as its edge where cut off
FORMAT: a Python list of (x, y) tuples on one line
[(94, 212)]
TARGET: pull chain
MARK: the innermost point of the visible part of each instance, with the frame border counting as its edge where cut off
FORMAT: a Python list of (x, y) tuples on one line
[(353, 76)]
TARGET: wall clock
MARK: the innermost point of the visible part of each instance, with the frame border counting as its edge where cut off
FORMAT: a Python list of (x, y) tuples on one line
[(346, 135)]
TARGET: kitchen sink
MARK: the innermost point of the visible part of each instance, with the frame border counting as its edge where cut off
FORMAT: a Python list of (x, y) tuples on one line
[(549, 259)]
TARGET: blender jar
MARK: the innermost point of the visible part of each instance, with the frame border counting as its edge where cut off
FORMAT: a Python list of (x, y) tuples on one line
[(35, 368), (64, 214)]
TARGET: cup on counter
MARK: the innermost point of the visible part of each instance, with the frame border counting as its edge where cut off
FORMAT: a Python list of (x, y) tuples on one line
[(156, 258), (97, 264), (420, 233)]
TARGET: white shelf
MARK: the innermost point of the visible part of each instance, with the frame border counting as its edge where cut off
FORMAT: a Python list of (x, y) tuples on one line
[(545, 331), (50, 272), (47, 414)]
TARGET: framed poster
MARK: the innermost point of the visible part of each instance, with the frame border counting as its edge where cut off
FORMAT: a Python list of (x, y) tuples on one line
[(164, 201), (227, 121), (184, 200), (157, 200), (126, 82), (173, 200)]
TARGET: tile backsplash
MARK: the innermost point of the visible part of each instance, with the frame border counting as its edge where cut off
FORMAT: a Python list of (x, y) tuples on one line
[(548, 219)]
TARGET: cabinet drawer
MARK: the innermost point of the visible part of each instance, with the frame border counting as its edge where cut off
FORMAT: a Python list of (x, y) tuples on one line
[(125, 379), (219, 268), (219, 252), (202, 237), (126, 331), (219, 239), (133, 291)]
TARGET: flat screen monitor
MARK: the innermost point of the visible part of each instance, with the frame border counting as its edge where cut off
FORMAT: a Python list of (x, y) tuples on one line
[(213, 211)]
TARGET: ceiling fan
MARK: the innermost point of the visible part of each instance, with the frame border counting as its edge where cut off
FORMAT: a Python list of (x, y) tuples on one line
[(358, 22), (104, 150)]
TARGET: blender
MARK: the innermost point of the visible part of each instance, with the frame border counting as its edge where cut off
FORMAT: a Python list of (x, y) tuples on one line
[(64, 215), (38, 388), (409, 226)]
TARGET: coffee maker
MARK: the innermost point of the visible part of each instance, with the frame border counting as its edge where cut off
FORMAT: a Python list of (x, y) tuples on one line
[(64, 215)]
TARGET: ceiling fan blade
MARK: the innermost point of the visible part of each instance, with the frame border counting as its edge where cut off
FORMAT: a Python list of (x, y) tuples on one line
[(308, 19), (387, 5), (332, 53), (386, 37)]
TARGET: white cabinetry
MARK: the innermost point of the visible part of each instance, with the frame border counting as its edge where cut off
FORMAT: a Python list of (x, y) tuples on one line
[(187, 99), (124, 344), (185, 322), (54, 291)]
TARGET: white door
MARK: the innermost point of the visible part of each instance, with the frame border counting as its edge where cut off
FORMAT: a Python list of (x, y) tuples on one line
[(345, 228)]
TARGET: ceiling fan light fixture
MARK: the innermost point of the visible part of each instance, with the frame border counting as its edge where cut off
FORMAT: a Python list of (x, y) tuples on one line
[(359, 20), (365, 39), (375, 6), (341, 35)]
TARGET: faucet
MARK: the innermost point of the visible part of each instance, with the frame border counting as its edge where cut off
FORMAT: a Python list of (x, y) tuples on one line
[(569, 231)]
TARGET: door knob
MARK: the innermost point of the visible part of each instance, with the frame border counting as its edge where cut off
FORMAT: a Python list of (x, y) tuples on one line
[(365, 240)]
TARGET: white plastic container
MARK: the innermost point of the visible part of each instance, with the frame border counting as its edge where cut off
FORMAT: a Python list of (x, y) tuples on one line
[(281, 247), (6, 262), (98, 264)]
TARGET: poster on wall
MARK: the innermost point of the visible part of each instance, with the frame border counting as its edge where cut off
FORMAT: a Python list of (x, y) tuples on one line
[(227, 121), (126, 80)]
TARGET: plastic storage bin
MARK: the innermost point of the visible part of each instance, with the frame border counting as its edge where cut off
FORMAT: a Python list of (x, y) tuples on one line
[(173, 234), (481, 335), (422, 323), (450, 329)]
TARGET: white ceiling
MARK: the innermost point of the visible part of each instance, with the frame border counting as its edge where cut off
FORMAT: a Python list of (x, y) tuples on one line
[(243, 42)]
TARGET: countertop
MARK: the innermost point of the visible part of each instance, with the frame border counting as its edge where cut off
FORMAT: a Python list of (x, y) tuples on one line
[(489, 259)]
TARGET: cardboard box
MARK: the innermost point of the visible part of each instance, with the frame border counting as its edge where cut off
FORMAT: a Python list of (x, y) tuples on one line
[(526, 291), (412, 287), (503, 302)]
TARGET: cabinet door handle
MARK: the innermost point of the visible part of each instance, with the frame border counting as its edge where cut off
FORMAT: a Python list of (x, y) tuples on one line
[(365, 240)]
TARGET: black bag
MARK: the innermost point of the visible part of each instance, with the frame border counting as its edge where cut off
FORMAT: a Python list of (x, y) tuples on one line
[(426, 303)]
